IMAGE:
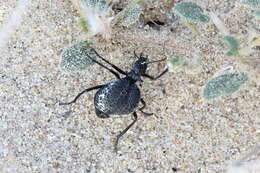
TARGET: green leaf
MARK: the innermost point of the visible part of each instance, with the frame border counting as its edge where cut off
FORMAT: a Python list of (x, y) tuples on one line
[(190, 12), (252, 3), (100, 5), (224, 84), (232, 44), (129, 15), (76, 57), (83, 25), (176, 63), (257, 14)]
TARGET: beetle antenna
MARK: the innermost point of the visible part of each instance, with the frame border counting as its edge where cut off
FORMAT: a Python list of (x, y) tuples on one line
[(135, 55), (156, 61), (140, 56)]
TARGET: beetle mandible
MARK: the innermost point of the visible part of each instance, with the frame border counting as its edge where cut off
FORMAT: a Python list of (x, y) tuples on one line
[(121, 96)]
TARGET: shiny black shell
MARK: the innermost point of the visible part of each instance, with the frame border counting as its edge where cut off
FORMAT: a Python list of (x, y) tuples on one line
[(117, 98)]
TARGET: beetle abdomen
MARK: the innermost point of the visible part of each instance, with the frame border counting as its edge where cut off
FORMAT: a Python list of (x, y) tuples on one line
[(118, 97)]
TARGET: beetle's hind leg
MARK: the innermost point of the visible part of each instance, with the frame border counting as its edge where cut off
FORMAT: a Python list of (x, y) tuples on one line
[(86, 90), (144, 105), (124, 131)]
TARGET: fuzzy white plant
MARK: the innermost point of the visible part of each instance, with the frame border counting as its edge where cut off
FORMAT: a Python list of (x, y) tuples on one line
[(13, 22), (219, 24), (250, 163), (98, 16)]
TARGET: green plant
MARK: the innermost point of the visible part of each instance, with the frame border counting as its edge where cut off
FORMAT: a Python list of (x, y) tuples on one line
[(76, 57), (223, 84), (100, 5), (190, 12), (83, 25), (130, 14), (176, 63), (252, 3), (232, 44), (257, 14)]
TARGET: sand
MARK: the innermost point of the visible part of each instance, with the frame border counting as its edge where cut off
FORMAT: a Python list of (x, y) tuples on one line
[(188, 133)]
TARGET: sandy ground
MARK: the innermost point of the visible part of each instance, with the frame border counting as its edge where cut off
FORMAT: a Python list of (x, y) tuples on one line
[(187, 133)]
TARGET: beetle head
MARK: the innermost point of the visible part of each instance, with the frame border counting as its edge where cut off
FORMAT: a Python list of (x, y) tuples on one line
[(140, 65)]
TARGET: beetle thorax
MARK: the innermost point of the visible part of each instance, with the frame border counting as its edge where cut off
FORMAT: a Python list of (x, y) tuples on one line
[(134, 75), (139, 68)]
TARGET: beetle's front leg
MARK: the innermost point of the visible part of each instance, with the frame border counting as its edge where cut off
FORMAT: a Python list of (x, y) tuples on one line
[(157, 77)]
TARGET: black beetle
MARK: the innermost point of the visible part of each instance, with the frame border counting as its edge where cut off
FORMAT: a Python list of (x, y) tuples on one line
[(121, 96)]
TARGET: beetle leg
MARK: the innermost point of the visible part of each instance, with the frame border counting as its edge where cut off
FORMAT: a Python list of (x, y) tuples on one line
[(136, 55), (144, 105), (124, 131), (102, 65), (157, 77), (86, 90), (114, 66)]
